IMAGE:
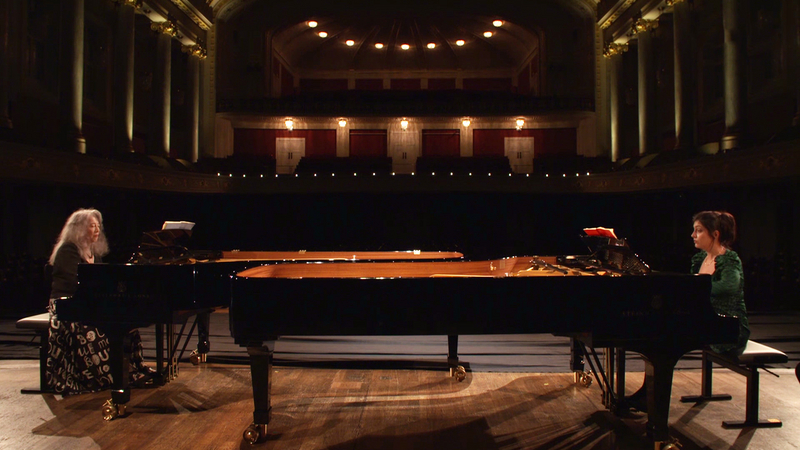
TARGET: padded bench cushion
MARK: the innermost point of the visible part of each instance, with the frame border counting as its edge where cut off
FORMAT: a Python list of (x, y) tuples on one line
[(37, 322), (756, 354)]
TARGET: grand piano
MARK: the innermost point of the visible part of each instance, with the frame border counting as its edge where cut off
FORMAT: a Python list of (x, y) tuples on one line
[(605, 299), (166, 283)]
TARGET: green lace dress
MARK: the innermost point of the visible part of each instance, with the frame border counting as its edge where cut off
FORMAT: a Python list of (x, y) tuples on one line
[(727, 294)]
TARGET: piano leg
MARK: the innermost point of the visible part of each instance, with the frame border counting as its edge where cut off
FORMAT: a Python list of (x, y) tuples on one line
[(456, 371), (658, 381), (261, 373), (577, 362), (203, 344), (120, 360)]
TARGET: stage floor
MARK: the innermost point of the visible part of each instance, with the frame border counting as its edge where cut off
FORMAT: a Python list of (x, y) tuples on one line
[(209, 406), (394, 393)]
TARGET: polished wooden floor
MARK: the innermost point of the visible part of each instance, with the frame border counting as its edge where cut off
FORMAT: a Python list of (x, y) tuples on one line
[(393, 393), (208, 407)]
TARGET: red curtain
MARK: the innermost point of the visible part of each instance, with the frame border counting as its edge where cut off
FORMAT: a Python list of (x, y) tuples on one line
[(441, 83), (323, 85), (487, 84), (369, 84), (406, 84), (368, 144), (258, 142), (441, 143)]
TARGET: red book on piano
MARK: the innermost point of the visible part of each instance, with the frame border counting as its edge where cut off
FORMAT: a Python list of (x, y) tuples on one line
[(600, 231)]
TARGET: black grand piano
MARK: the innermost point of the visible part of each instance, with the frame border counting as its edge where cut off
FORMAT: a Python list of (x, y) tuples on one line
[(165, 283), (605, 300)]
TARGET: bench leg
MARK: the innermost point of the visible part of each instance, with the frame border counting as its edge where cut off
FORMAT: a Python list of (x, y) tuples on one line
[(706, 394), (44, 336), (751, 413)]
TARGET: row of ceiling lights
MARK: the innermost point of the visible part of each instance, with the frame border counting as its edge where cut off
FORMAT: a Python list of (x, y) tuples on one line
[(519, 123), (379, 45)]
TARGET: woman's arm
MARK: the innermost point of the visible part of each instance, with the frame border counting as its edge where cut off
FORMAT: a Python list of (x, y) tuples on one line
[(65, 271)]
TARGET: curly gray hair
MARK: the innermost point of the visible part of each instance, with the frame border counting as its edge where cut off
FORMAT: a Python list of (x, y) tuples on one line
[(75, 231)]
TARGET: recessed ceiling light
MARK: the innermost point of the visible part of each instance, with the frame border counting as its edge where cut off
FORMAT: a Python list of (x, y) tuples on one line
[(488, 34), (323, 34), (405, 46), (431, 45), (312, 23), (460, 42), (378, 45), (497, 23), (350, 42)]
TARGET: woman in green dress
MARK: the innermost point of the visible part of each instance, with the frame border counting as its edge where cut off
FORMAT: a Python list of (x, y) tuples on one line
[(713, 233)]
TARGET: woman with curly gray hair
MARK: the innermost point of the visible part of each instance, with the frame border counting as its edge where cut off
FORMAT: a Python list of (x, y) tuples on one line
[(78, 354)]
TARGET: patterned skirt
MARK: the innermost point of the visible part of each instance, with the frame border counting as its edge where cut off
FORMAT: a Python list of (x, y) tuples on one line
[(78, 357)]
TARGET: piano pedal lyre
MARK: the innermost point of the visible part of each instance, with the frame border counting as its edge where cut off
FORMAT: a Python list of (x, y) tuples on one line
[(112, 410), (458, 372), (583, 378), (255, 433)]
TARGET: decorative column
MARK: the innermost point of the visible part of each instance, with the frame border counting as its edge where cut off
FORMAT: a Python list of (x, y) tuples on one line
[(647, 86), (735, 55), (162, 89), (123, 74), (5, 119), (795, 44), (197, 53), (684, 51), (614, 54), (71, 77)]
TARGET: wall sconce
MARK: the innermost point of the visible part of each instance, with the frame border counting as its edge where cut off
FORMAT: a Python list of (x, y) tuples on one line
[(404, 124), (342, 123), (465, 122), (289, 124), (520, 124)]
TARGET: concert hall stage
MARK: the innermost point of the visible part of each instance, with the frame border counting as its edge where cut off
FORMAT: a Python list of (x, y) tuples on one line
[(394, 393)]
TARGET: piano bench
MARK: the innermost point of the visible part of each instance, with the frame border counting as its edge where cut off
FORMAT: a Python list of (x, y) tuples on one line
[(755, 356), (41, 324)]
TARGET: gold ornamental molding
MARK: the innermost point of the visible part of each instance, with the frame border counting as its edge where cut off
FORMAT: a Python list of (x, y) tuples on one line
[(197, 50), (641, 25), (615, 15), (136, 4), (166, 27), (192, 13), (672, 2), (612, 48)]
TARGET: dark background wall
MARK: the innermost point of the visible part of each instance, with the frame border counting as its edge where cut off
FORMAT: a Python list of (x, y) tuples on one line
[(483, 225)]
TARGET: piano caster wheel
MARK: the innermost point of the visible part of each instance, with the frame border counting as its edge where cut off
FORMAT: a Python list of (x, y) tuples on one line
[(671, 444), (255, 433), (459, 373), (586, 379), (196, 357), (111, 410)]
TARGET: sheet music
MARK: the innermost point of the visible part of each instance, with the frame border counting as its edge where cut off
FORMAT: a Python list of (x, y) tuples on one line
[(175, 225)]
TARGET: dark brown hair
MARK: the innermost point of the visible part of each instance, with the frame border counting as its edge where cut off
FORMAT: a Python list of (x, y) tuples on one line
[(718, 221)]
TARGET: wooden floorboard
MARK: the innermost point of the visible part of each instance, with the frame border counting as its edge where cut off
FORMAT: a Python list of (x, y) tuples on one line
[(209, 406), (359, 393)]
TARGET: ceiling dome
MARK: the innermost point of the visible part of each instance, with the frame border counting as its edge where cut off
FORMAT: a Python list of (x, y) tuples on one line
[(392, 42)]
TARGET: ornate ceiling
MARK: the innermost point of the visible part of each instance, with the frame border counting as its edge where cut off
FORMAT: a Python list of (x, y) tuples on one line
[(416, 23)]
